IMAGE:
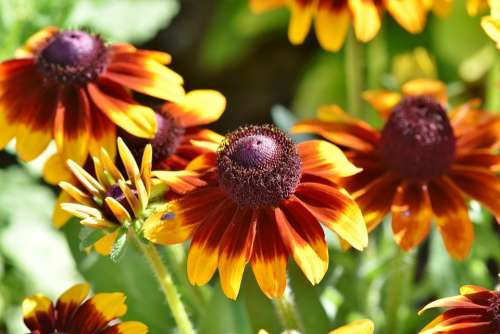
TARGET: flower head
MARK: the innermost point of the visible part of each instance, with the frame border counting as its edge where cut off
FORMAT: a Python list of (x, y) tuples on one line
[(73, 314), (332, 18), (421, 165), (109, 202), (475, 311), (263, 202), (181, 137), (72, 87)]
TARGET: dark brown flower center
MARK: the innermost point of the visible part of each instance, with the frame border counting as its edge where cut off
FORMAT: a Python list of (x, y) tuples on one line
[(417, 141), (168, 137), (116, 193), (72, 57), (258, 166), (494, 310)]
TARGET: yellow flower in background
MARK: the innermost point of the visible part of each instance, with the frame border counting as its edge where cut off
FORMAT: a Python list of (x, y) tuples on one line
[(364, 326), (108, 201), (422, 165), (332, 18), (73, 314), (72, 87), (491, 23)]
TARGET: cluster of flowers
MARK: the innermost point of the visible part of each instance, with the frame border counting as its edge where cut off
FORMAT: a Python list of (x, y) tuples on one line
[(253, 195)]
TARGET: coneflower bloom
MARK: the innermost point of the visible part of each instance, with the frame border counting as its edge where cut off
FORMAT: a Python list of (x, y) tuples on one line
[(264, 200), (109, 202), (180, 137), (332, 18), (73, 314), (422, 165), (475, 311), (72, 87)]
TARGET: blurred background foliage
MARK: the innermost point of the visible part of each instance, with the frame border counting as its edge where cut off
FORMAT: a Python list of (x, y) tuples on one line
[(220, 44)]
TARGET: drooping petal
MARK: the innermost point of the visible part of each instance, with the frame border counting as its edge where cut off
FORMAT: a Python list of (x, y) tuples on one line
[(199, 107), (332, 25), (145, 75), (182, 181), (451, 302), (323, 159), (182, 216), (203, 162), (60, 216), (71, 124), (304, 239), (468, 289), (269, 256), (235, 250), (38, 313), (203, 254), (376, 198), (56, 170), (480, 184), (382, 101), (300, 20), (68, 303), (410, 14), (367, 19), (411, 215), (428, 87), (451, 217), (491, 26), (36, 41), (336, 210), (102, 132), (117, 104), (482, 158)]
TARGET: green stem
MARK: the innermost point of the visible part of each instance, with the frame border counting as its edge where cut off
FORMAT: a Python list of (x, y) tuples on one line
[(354, 74), (167, 285), (287, 312), (397, 286), (377, 59)]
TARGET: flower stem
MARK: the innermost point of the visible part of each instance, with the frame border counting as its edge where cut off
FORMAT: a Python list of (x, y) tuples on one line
[(167, 285), (401, 272), (287, 312), (354, 74)]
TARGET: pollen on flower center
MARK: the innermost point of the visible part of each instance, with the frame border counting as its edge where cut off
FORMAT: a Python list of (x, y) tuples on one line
[(72, 57), (494, 310), (258, 166), (417, 141)]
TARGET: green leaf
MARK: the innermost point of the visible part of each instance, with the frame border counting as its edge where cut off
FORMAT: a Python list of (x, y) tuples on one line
[(124, 20), (89, 236), (119, 246)]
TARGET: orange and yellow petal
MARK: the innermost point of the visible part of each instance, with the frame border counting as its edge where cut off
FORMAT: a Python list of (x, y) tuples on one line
[(411, 215), (331, 25), (410, 14), (428, 87), (203, 256), (127, 327), (363, 326), (69, 302), (115, 102), (323, 159), (300, 21), (95, 314), (71, 125), (336, 210), (382, 101), (269, 256), (60, 216), (491, 26), (182, 181), (102, 133), (235, 250), (198, 107), (55, 170), (104, 245), (304, 239), (182, 216), (38, 313), (259, 6), (367, 19), (479, 184), (451, 216), (144, 74)]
